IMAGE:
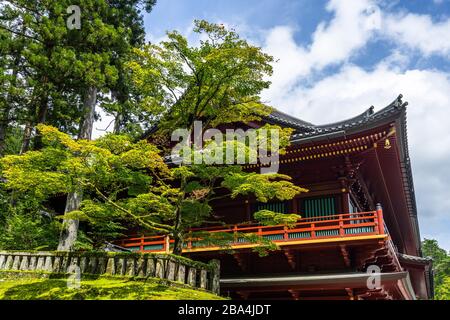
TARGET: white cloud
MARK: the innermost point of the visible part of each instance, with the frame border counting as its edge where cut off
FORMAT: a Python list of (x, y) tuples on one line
[(419, 32), (349, 30), (292, 61), (353, 24)]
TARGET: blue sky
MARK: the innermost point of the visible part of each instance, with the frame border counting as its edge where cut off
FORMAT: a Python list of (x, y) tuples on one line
[(338, 57)]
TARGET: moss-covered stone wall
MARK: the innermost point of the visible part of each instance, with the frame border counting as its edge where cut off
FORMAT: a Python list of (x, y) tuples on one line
[(163, 266)]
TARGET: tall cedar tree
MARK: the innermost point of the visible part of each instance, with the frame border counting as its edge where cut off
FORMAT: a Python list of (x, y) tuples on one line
[(63, 71)]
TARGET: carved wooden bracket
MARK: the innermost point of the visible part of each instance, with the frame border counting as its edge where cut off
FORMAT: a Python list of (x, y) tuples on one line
[(346, 255), (291, 257), (241, 260)]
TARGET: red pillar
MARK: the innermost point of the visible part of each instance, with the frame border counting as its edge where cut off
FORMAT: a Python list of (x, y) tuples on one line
[(380, 219)]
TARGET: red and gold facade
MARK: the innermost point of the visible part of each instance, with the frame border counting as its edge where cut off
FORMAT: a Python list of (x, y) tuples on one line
[(349, 168)]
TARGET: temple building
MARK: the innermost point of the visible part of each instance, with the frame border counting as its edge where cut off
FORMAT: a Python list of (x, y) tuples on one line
[(358, 236)]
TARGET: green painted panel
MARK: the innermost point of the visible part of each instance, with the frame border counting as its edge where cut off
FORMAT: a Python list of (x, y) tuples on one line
[(359, 230), (318, 207), (273, 237), (154, 247), (327, 233), (299, 235), (280, 207)]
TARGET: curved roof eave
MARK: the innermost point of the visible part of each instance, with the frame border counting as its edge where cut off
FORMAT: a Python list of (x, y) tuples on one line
[(364, 119), (287, 120)]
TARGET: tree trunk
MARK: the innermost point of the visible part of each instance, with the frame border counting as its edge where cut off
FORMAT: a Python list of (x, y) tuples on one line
[(41, 118), (70, 229), (26, 137), (3, 128), (178, 243), (178, 233), (5, 117), (89, 103), (4, 120), (117, 123), (118, 118)]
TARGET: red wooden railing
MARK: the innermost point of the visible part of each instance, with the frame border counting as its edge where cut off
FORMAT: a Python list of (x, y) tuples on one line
[(333, 226)]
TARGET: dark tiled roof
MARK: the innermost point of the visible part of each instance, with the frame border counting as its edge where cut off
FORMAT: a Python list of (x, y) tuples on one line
[(284, 119), (305, 129), (408, 257)]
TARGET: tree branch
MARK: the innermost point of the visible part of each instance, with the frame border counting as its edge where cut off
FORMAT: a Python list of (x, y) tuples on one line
[(148, 224)]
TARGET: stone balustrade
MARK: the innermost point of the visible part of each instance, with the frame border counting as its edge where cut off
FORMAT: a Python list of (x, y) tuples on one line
[(163, 266)]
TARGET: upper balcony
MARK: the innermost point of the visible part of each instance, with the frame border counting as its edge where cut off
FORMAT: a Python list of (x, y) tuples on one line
[(326, 229)]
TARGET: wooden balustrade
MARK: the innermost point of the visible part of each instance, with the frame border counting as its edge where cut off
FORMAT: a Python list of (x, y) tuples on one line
[(332, 226)]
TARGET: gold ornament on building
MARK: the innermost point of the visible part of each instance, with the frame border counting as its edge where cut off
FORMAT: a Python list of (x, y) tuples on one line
[(387, 144)]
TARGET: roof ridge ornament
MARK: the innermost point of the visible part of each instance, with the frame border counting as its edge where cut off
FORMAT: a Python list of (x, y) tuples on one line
[(398, 103), (369, 112)]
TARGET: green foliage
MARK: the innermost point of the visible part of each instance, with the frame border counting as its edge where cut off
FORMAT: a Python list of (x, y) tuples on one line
[(24, 225), (23, 232), (13, 140), (103, 168), (442, 291), (430, 248), (36, 173), (270, 218), (131, 116), (217, 82), (46, 68), (263, 186), (441, 267), (127, 183)]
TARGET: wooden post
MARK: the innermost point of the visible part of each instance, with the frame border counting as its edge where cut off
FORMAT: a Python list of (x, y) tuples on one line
[(189, 241), (248, 210), (142, 244), (380, 220), (167, 244), (341, 226), (285, 236), (295, 205), (345, 201)]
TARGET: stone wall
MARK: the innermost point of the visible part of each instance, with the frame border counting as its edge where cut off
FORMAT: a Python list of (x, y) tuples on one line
[(163, 266)]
